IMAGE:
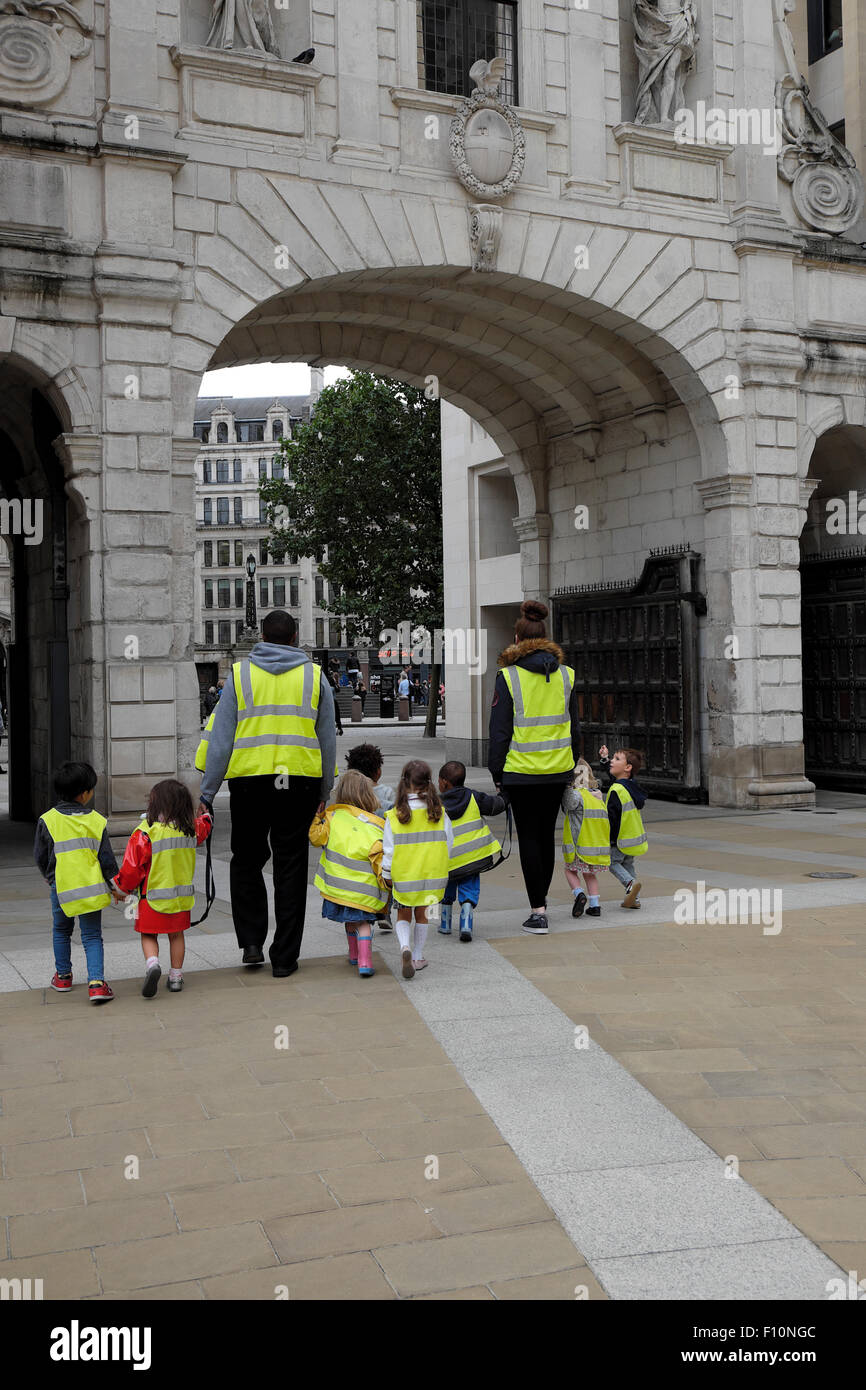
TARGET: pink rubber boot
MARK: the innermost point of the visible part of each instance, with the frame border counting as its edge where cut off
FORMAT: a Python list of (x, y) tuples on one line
[(352, 938), (365, 956)]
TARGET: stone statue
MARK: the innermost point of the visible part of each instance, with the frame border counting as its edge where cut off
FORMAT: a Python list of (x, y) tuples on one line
[(251, 19), (666, 37)]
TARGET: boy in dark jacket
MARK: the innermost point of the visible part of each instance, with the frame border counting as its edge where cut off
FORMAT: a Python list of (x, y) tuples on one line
[(474, 844), (625, 800)]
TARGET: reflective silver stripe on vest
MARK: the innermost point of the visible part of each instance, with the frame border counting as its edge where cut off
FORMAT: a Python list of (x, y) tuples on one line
[(87, 890), (600, 814), (522, 721), (205, 735), (460, 849), (253, 711), (361, 865), (67, 846), (175, 842), (183, 890), (418, 885), (631, 844), (278, 741), (421, 837), (547, 745), (465, 826), (351, 885)]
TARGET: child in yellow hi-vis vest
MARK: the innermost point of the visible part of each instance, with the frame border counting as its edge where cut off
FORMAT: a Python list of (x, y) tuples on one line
[(349, 875), (159, 864), (418, 843), (624, 801), (585, 839)]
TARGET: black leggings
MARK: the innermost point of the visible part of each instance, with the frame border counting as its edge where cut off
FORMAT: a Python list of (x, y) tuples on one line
[(536, 807)]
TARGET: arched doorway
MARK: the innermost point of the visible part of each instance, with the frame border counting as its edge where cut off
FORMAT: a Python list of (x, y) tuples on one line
[(33, 519), (833, 575)]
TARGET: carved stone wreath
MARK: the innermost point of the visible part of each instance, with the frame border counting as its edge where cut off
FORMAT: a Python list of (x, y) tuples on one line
[(480, 101), (37, 45), (827, 186)]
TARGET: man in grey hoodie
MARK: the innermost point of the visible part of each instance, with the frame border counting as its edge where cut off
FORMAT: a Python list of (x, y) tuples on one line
[(271, 813)]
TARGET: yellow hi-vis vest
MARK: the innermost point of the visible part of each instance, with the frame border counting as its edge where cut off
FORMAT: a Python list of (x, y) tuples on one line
[(419, 869), (276, 728), (172, 868), (632, 836), (201, 751), (593, 841), (474, 842), (78, 879), (541, 737), (345, 873)]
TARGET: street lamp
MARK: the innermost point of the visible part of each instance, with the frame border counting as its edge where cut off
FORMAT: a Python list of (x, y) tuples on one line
[(251, 618)]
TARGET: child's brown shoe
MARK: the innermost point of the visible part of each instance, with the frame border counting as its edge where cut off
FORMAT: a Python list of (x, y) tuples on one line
[(631, 897)]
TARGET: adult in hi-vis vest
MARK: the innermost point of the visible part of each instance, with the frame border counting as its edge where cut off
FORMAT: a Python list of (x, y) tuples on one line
[(274, 740), (534, 746)]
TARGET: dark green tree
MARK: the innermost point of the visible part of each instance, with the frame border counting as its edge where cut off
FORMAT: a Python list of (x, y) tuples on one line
[(363, 485)]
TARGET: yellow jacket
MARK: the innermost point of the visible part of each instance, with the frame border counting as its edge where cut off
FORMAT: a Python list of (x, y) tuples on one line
[(320, 830)]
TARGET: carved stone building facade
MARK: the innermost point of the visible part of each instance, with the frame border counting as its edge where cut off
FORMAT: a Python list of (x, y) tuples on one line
[(669, 335)]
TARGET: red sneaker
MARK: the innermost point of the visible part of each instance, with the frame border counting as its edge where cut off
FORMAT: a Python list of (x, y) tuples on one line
[(100, 992), (61, 982)]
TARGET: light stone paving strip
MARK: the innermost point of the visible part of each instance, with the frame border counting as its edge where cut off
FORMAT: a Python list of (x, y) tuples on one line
[(645, 1200)]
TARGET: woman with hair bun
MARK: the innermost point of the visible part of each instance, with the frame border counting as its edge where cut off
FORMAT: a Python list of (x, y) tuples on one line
[(534, 746)]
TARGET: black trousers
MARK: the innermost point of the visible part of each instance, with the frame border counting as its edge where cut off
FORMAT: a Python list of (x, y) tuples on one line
[(269, 820), (536, 807)]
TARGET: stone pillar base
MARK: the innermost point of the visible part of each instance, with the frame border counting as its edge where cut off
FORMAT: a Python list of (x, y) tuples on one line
[(760, 778)]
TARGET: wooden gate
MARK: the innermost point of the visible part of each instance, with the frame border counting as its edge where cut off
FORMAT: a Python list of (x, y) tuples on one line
[(634, 650), (834, 669)]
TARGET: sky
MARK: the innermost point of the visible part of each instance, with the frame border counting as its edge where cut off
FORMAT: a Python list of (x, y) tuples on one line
[(265, 379)]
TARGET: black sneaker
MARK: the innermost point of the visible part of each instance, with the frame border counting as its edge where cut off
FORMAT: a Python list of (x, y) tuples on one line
[(151, 980), (579, 905), (593, 912), (536, 925), (253, 956)]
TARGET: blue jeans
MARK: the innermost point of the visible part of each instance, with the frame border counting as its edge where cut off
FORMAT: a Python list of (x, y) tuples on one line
[(467, 891), (90, 924), (622, 866)]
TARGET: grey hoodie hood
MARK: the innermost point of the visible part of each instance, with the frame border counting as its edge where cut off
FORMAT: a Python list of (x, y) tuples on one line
[(276, 660)]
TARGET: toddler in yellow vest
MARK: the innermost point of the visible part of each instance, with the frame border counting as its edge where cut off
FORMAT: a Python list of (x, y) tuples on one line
[(624, 801), (585, 839), (349, 874), (475, 845), (417, 850), (74, 856), (159, 862)]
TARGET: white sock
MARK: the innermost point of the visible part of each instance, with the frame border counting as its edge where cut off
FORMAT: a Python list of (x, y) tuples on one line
[(420, 938), (151, 960), (403, 934), (175, 973)]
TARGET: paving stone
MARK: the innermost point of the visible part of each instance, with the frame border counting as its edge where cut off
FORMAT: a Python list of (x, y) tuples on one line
[(68, 1274), (356, 1278), (434, 1136), (803, 1177), (569, 1285), (260, 1200), (137, 1264), (497, 1163), (827, 1218), (189, 1292), (104, 1223), (349, 1229), (477, 1294), (98, 1119), (254, 1099), (439, 1105), (312, 1122), (806, 1141), (778, 1270), (59, 1155), (404, 1177), (405, 1081), (21, 1195), (311, 1156), (481, 1258), (195, 1170), (506, 1204), (223, 1133)]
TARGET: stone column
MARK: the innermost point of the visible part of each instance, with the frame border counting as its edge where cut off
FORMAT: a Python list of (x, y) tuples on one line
[(854, 54), (357, 59), (586, 84), (755, 73), (132, 118), (534, 532)]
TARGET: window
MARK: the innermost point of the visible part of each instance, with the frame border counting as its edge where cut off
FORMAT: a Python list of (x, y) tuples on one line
[(238, 511), (825, 27), (239, 629), (320, 632), (454, 34), (336, 634), (224, 593), (208, 634), (263, 468), (277, 470), (263, 552), (222, 470), (202, 432), (208, 554), (839, 131), (279, 593), (206, 471), (208, 593), (223, 549), (240, 601), (237, 471), (277, 430), (207, 511), (239, 552), (320, 590), (222, 432), (293, 591), (263, 593), (225, 634), (263, 511), (222, 511), (251, 431)]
